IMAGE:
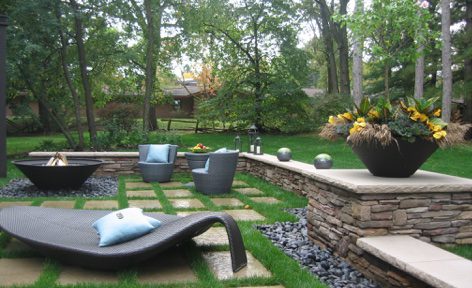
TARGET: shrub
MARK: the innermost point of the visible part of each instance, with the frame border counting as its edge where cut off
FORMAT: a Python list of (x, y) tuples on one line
[(327, 105)]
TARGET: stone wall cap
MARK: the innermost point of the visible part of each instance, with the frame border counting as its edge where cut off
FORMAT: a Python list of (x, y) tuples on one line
[(86, 154), (296, 166), (433, 265)]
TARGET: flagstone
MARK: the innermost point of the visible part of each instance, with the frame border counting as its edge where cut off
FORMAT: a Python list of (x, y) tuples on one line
[(14, 203), (215, 236), (145, 204), (249, 191), (170, 184), (265, 200), (239, 183), (186, 203), (177, 193), (168, 267), (276, 286), (58, 204), (75, 275), (101, 204), (133, 185), (245, 215), (186, 213), (20, 271), (15, 246), (141, 193), (220, 265), (227, 202)]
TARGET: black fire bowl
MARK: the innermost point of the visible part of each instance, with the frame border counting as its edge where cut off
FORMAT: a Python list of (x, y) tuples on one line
[(45, 177)]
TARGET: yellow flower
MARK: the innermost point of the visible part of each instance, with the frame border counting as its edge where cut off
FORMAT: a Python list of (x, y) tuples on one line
[(332, 120), (440, 134), (360, 120), (423, 117), (415, 116), (403, 105), (374, 113), (437, 112), (348, 116), (412, 109), (357, 126)]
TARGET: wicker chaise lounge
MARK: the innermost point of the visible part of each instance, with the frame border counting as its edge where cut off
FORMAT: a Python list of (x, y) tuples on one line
[(67, 235)]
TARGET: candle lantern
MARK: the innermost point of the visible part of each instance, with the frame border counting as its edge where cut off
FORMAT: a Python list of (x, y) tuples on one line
[(258, 146), (237, 143), (252, 134)]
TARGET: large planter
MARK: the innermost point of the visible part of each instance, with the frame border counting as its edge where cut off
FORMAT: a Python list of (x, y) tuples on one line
[(399, 159), (196, 160), (45, 177)]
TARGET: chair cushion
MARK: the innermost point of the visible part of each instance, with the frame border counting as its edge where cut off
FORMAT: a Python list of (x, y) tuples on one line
[(158, 153), (123, 225), (207, 163)]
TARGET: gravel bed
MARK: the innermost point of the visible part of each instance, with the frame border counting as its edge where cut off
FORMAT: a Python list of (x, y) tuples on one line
[(293, 240), (92, 188)]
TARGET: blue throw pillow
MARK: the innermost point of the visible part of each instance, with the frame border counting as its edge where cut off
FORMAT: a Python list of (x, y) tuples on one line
[(207, 163), (158, 153), (123, 225)]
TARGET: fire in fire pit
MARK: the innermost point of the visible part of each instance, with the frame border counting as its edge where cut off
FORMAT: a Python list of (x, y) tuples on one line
[(58, 159)]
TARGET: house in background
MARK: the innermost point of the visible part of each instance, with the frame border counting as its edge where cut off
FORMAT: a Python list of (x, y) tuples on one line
[(183, 97)]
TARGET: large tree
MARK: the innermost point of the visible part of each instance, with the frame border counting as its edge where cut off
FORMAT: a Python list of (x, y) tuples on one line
[(446, 59)]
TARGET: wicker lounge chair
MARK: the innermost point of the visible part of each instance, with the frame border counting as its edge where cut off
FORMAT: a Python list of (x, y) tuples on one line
[(156, 172), (219, 177), (67, 235)]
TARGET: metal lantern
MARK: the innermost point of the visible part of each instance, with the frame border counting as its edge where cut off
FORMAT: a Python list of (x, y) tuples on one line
[(237, 143), (252, 134), (258, 146)]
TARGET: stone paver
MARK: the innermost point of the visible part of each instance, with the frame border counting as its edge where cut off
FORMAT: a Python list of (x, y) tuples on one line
[(213, 237), (171, 184), (15, 203), (21, 271), (58, 204), (186, 203), (239, 183), (141, 193), (277, 286), (133, 185), (177, 193), (220, 265), (249, 191), (145, 204), (15, 246), (101, 204), (186, 213), (74, 275), (227, 202), (245, 215), (168, 267), (266, 200)]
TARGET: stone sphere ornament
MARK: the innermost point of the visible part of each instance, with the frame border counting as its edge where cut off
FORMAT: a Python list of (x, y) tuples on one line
[(284, 154), (323, 161)]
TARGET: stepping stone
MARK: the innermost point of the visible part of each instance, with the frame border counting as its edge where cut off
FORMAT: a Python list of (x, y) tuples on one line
[(15, 246), (133, 185), (170, 184), (186, 213), (227, 202), (220, 265), (20, 271), (177, 193), (58, 204), (239, 183), (71, 275), (277, 286), (215, 236), (141, 193), (265, 200), (145, 204), (101, 204), (245, 215), (168, 267), (15, 203), (186, 203), (249, 191)]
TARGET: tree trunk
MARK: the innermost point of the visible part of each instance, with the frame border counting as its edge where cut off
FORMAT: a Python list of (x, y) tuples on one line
[(357, 60), (419, 73), (89, 105), (258, 81), (343, 48), (44, 116), (446, 60), (387, 81), (467, 117), (330, 57), (67, 77)]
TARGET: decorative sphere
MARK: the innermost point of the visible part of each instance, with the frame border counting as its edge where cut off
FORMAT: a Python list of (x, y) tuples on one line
[(323, 161), (284, 154)]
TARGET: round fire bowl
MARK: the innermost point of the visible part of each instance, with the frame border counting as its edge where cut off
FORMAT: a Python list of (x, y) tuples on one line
[(45, 177)]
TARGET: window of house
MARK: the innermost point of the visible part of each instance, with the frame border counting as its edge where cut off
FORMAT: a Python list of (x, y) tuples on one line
[(177, 104)]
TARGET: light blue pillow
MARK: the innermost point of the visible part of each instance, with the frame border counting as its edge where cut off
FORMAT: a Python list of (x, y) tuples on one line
[(123, 225), (158, 153), (207, 163)]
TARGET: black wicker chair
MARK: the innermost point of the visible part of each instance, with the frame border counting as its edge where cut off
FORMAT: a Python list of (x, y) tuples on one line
[(67, 235)]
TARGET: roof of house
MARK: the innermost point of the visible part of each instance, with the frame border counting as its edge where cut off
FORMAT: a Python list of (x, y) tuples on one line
[(183, 92)]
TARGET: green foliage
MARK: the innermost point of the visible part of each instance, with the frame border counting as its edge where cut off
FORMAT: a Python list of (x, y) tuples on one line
[(51, 145), (407, 129), (325, 105)]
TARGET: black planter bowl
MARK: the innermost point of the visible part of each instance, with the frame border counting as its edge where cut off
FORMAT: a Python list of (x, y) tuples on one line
[(58, 177), (400, 159), (196, 160)]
